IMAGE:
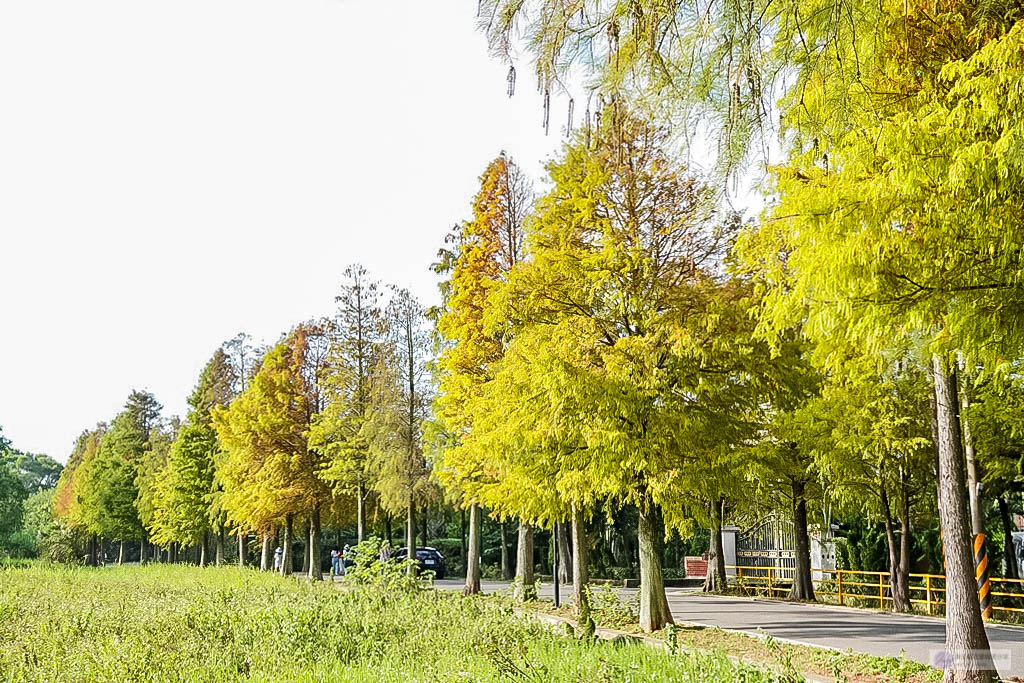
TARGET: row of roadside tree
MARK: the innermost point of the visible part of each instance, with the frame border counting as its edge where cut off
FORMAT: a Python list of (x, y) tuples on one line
[(622, 341)]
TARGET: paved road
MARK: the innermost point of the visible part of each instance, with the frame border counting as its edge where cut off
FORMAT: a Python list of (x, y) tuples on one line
[(867, 631)]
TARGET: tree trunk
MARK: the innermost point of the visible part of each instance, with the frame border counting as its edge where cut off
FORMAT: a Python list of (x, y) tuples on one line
[(410, 535), (973, 491), (472, 586), (361, 514), (903, 571), (1009, 556), (654, 611), (803, 587), (265, 552), (315, 574), (714, 579), (305, 548), (286, 547), (965, 632), (462, 515), (202, 550), (506, 560), (388, 531), (564, 552), (897, 587), (423, 526), (219, 541), (142, 551), (120, 554), (240, 535), (524, 588), (580, 576)]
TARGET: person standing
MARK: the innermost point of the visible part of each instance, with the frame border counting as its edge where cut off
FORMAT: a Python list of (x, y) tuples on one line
[(278, 557), (335, 569)]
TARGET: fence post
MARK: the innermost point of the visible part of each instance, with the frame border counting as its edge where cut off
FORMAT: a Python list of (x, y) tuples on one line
[(881, 591), (928, 591), (771, 591), (839, 574)]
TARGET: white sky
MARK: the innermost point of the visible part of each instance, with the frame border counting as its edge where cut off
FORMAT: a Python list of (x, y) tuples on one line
[(172, 173)]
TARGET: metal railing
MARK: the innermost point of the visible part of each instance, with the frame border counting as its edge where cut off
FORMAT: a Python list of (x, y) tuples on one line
[(849, 586)]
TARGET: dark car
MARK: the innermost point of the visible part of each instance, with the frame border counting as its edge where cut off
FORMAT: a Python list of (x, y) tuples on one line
[(429, 559)]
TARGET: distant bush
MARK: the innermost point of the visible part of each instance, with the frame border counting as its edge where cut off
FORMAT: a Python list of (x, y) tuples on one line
[(19, 545), (451, 548)]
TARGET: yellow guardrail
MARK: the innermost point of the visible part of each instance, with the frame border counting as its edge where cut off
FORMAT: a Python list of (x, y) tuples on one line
[(929, 588)]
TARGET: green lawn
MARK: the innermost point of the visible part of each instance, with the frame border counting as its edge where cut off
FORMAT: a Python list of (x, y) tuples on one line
[(180, 623)]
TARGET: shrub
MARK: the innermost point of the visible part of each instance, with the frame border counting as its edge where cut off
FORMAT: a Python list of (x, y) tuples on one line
[(607, 608), (372, 568)]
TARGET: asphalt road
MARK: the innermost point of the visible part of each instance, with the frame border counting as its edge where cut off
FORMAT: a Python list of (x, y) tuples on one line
[(867, 631)]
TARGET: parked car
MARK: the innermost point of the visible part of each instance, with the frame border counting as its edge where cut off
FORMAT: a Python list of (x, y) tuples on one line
[(428, 558)]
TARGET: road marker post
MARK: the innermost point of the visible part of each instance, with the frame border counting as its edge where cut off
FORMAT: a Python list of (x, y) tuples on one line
[(981, 576)]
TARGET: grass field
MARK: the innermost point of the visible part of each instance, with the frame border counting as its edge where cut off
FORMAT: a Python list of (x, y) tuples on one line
[(171, 623)]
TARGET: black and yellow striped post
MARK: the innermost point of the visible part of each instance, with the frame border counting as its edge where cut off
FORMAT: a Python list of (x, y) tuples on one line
[(981, 575)]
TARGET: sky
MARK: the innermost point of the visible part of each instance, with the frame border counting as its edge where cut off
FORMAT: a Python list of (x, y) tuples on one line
[(172, 173)]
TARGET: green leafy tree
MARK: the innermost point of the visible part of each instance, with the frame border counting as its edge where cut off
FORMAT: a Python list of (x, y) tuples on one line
[(12, 502), (108, 489), (36, 471), (270, 473), (67, 504), (186, 497), (877, 452), (398, 407), (906, 231), (900, 194), (627, 340), (488, 247), (150, 472), (338, 430)]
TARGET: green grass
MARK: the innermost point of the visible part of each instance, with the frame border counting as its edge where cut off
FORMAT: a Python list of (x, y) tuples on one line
[(169, 623)]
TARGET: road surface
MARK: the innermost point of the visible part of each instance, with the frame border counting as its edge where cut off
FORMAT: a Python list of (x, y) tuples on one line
[(867, 631)]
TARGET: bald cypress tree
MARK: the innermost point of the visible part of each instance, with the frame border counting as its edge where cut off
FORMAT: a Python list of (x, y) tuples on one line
[(108, 488), (398, 407), (185, 493), (270, 474), (355, 349), (487, 249)]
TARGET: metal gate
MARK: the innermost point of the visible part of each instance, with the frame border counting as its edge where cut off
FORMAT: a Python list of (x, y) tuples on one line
[(768, 544)]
